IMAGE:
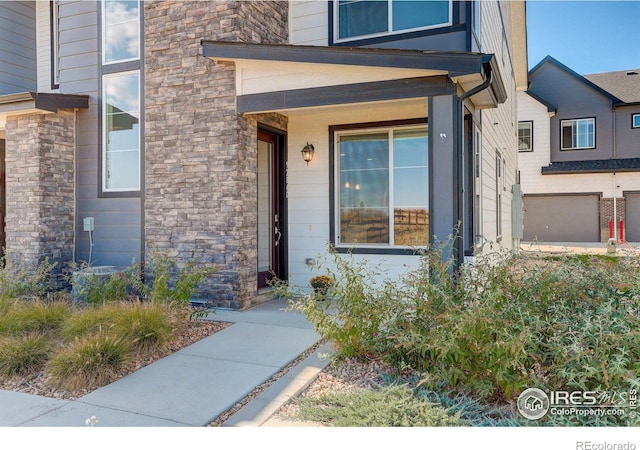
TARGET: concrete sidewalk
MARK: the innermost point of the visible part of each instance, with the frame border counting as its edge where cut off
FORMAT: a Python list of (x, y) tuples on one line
[(196, 384)]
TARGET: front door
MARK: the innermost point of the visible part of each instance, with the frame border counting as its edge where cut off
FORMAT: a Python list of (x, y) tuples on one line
[(270, 222)]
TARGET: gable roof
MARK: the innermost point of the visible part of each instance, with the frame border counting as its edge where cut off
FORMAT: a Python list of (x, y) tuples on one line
[(624, 84), (550, 60)]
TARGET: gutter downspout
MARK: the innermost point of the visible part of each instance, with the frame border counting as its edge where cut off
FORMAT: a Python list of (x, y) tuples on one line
[(459, 245)]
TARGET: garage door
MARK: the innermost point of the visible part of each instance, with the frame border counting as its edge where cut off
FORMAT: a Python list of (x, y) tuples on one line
[(562, 218), (632, 219)]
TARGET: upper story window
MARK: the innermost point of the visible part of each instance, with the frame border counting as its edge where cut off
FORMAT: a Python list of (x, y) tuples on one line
[(635, 121), (121, 131), (120, 31), (525, 136), (357, 19), (578, 134), (382, 187)]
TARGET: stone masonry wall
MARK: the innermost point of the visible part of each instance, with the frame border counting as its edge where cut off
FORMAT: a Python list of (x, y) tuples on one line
[(200, 161), (40, 187)]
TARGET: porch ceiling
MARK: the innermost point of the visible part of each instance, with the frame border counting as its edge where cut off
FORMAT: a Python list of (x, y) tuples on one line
[(278, 77)]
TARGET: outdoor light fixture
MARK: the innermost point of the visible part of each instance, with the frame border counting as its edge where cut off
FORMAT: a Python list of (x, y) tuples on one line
[(307, 153)]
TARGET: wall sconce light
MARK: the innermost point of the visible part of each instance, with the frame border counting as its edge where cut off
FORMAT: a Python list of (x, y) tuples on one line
[(307, 153)]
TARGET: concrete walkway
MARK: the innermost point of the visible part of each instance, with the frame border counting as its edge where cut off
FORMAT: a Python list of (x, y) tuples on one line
[(196, 384)]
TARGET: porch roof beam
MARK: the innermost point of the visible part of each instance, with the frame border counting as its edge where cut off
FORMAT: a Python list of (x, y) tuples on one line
[(346, 94), (455, 63)]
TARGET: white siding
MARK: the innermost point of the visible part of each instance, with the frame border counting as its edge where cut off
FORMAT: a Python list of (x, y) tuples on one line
[(43, 36), (309, 22), (308, 186), (499, 125), (530, 163)]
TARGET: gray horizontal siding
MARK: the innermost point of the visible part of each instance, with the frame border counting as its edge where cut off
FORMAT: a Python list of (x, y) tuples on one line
[(18, 65), (117, 234), (574, 100)]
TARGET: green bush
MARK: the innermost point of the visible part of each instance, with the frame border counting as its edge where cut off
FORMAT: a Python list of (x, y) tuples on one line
[(23, 353), (89, 361), (170, 282), (504, 323), (21, 281), (358, 307)]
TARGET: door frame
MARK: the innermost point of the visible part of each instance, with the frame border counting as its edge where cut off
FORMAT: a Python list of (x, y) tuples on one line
[(279, 204)]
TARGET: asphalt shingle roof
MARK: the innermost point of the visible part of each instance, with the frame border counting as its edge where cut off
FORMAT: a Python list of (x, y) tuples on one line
[(602, 165), (624, 84)]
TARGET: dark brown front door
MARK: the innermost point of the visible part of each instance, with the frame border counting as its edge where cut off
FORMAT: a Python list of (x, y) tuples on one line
[(270, 231)]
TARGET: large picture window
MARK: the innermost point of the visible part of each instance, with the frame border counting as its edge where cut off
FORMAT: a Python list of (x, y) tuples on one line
[(578, 134), (120, 31), (121, 131), (382, 187), (356, 19)]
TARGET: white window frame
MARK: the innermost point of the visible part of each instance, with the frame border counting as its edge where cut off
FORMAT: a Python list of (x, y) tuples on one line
[(105, 133), (337, 186), (389, 32), (635, 120), (104, 37), (478, 238), (499, 169), (576, 121), (530, 148)]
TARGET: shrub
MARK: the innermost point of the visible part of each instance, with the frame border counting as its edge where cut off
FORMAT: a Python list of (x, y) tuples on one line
[(147, 327), (37, 315), (93, 289), (21, 281), (23, 353), (389, 406), (171, 283), (504, 323), (359, 305), (89, 361)]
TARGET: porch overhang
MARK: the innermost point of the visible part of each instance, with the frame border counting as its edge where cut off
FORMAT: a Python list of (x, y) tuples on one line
[(38, 102), (272, 77)]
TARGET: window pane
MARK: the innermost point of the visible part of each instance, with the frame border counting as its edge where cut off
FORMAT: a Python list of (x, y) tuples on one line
[(524, 136), (636, 121), (411, 187), (567, 134), (417, 14), (121, 30), (123, 168), (121, 132), (364, 189), (360, 18)]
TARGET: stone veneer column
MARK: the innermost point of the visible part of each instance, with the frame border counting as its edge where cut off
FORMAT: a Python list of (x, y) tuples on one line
[(40, 184), (200, 155)]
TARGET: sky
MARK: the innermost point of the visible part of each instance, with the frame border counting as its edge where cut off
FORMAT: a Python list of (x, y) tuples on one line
[(588, 36)]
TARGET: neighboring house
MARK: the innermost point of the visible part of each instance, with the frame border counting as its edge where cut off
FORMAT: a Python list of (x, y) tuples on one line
[(180, 126), (579, 149)]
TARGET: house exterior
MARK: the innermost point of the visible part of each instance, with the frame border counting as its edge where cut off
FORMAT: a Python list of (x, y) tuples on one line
[(128, 127), (579, 155)]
